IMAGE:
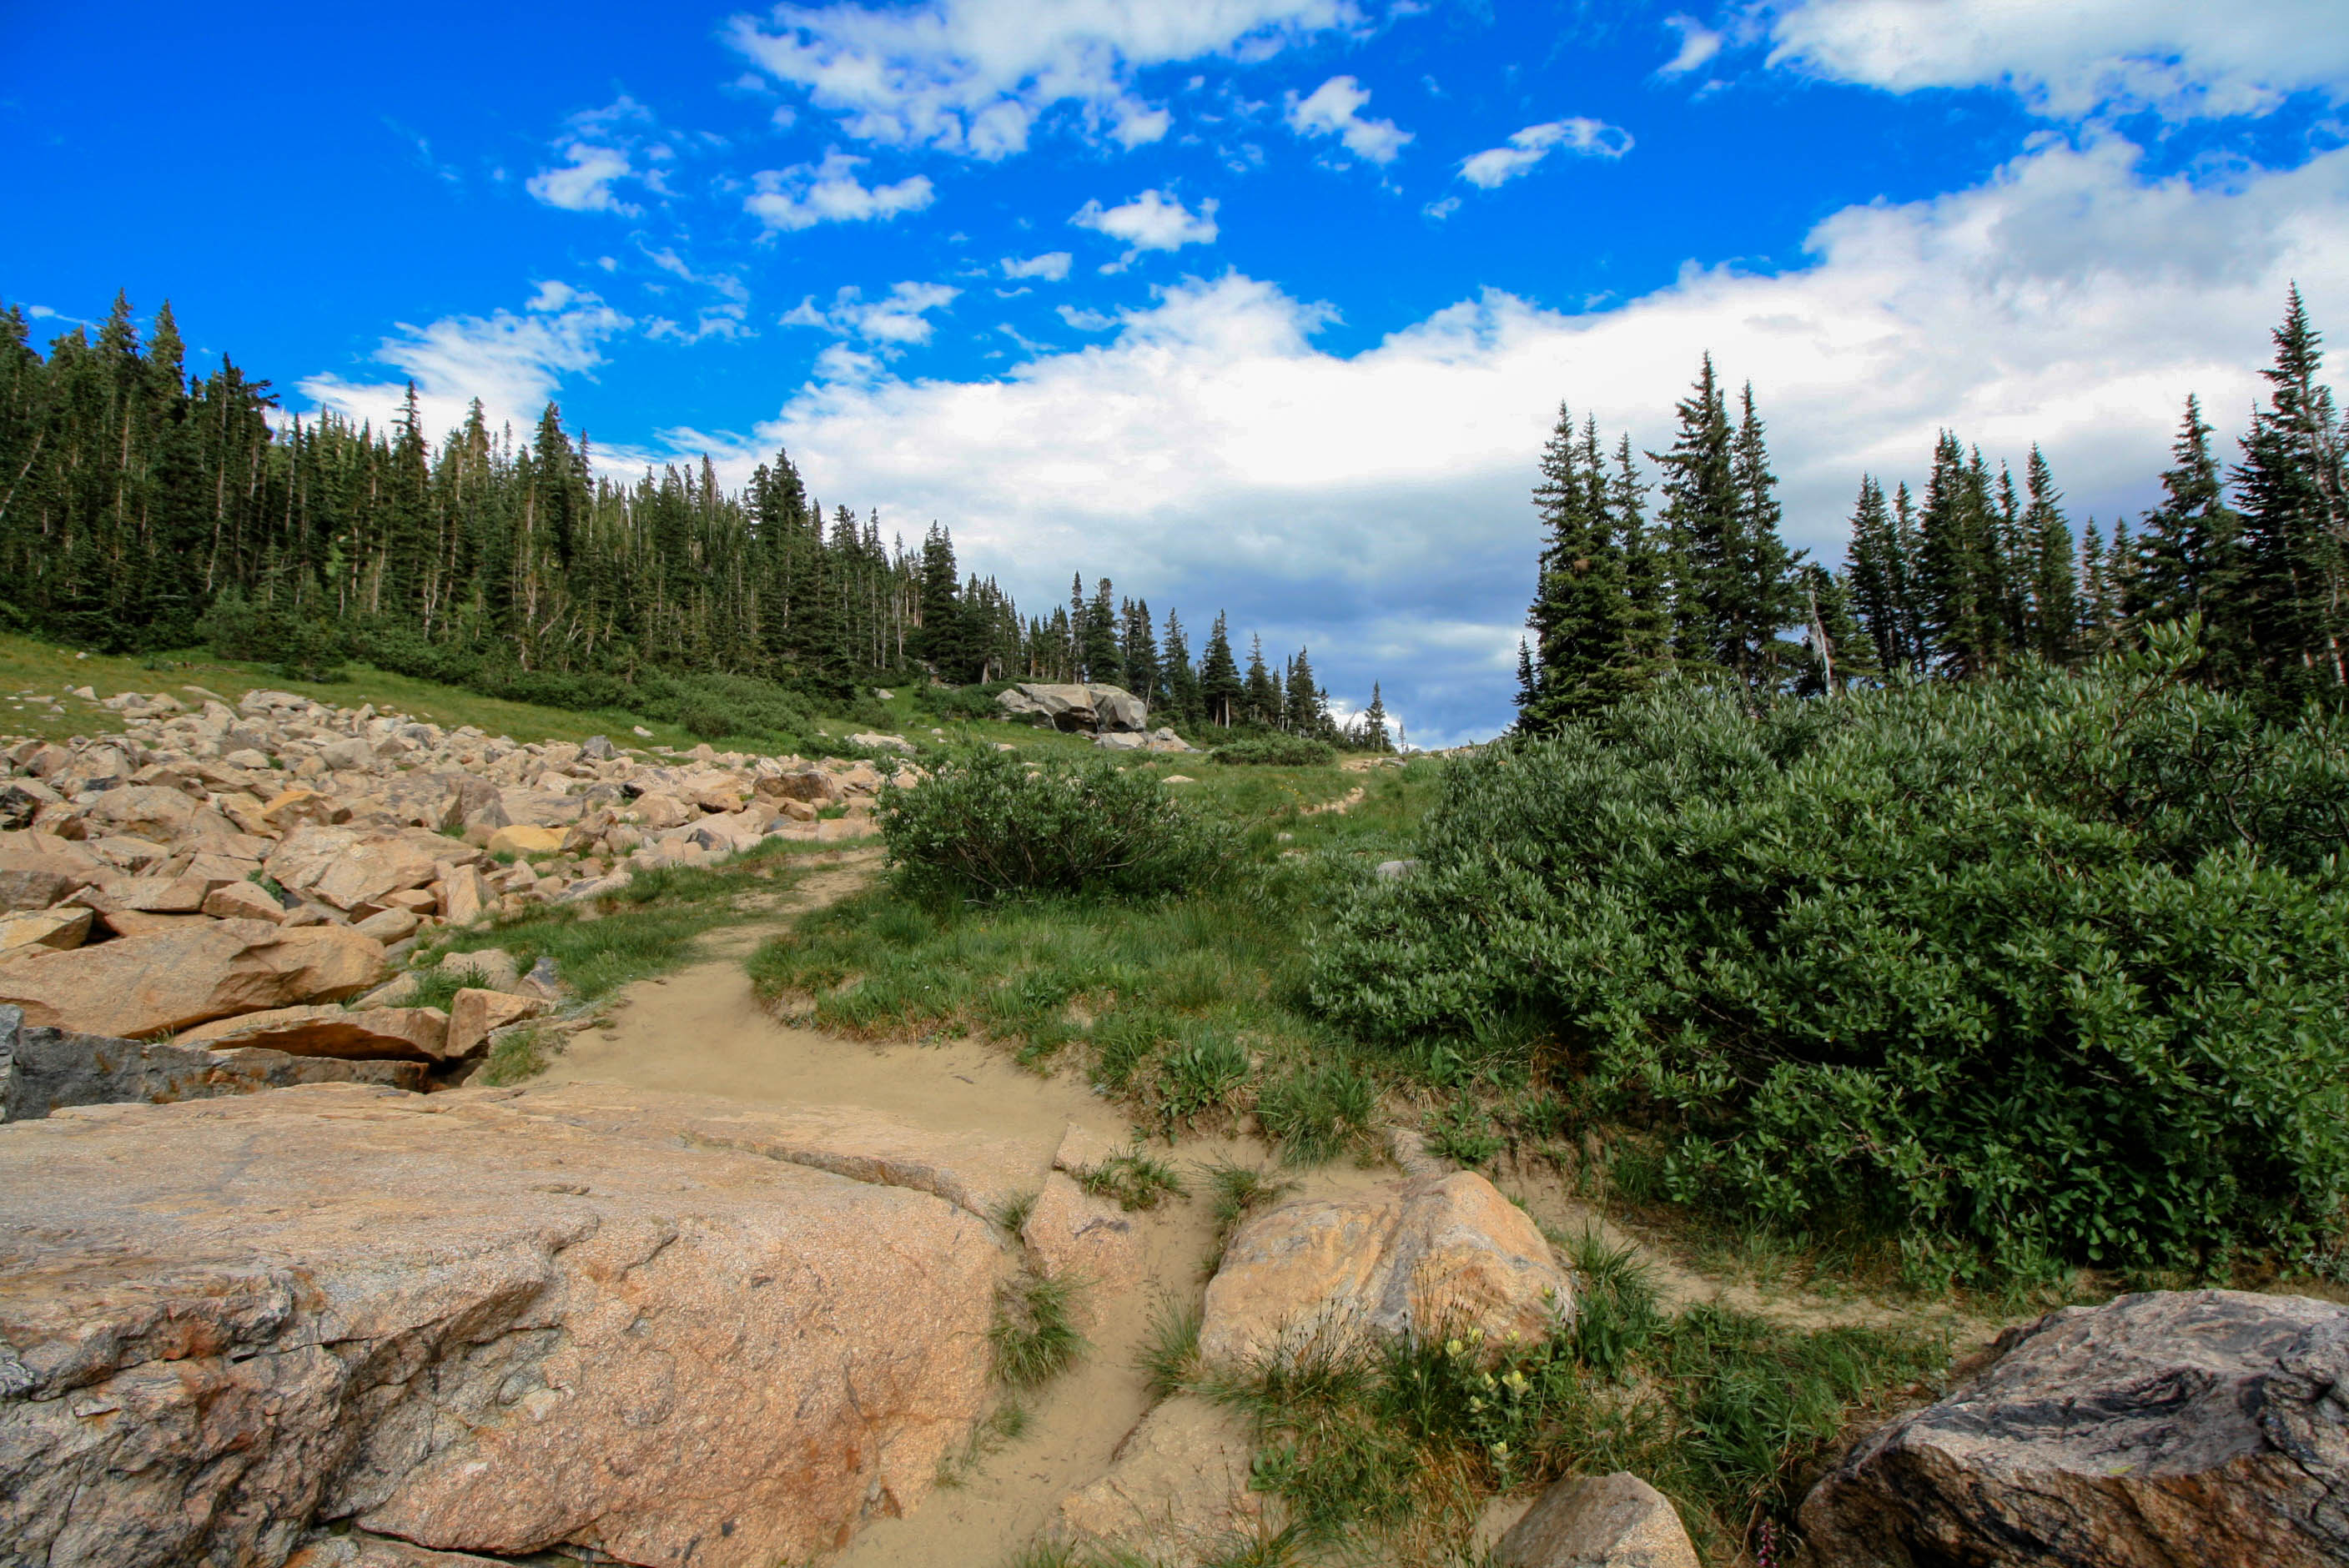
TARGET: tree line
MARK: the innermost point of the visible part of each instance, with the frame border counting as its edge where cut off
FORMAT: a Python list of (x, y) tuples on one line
[(145, 509), (1977, 575)]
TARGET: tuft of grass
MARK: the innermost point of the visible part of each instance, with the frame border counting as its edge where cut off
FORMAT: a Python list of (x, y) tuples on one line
[(520, 1054), (1133, 1178), (1006, 1424), (1317, 1110), (1169, 1355), (1201, 1076), (1011, 1215), (1035, 1335), (1462, 1132)]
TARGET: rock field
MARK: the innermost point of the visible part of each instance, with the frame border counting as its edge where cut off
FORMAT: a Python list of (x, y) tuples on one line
[(230, 875)]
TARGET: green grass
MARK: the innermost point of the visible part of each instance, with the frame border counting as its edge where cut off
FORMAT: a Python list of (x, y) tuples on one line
[(1188, 1005), (1390, 1451), (1035, 1335), (1238, 1191), (1133, 1178)]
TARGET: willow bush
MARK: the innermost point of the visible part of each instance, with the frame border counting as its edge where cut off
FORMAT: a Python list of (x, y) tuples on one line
[(2044, 969)]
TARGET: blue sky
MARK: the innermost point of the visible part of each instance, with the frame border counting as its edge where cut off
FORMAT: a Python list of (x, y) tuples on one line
[(1253, 305)]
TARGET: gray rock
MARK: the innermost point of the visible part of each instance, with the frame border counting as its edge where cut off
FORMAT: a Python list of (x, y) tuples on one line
[(1100, 709), (598, 748), (42, 1070), (1395, 870), (1599, 1521), (2202, 1426)]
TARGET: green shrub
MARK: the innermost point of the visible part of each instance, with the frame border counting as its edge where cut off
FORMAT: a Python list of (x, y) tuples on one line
[(2053, 966), (1275, 751), (987, 824)]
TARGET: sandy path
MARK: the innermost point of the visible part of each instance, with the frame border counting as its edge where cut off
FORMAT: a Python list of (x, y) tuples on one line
[(701, 1030)]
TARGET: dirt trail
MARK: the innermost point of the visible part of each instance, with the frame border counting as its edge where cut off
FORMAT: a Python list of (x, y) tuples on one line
[(701, 1030)]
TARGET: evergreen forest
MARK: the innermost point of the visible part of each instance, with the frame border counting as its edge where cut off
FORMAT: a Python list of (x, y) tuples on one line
[(144, 508)]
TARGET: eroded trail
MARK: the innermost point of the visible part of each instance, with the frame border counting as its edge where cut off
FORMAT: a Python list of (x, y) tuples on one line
[(702, 1031)]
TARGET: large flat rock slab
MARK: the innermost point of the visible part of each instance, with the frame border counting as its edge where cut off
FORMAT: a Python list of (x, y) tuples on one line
[(483, 1321), (43, 1069)]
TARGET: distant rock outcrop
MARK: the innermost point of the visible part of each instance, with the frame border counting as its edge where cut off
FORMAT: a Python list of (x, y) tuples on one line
[(1088, 710), (2202, 1426), (483, 1321)]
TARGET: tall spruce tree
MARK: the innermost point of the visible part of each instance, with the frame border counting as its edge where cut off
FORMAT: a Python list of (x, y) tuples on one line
[(1219, 676), (2295, 507), (1259, 693), (2190, 549), (1582, 613), (1182, 679), (2054, 602)]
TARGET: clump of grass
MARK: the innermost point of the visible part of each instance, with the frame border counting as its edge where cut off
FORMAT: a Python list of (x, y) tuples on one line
[(516, 1054), (1238, 1191), (1035, 1335), (1169, 1357), (1133, 1178), (1201, 1075), (1010, 1216), (438, 987), (1007, 1423), (1464, 1132), (1317, 1109)]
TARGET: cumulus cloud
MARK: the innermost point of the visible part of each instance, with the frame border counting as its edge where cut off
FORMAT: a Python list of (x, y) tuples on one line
[(807, 194), (1153, 221), (1053, 267), (2186, 57), (584, 182), (513, 363), (1582, 136), (973, 76), (1373, 505), (1333, 109), (898, 320)]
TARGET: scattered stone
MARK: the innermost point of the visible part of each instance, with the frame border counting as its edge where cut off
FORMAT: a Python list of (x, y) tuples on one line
[(482, 1322), (491, 968), (883, 743), (475, 1013), (54, 929), (1395, 870), (518, 839), (1599, 1521), (415, 1034), (1072, 1233), (388, 926), (2201, 1427), (1436, 1254)]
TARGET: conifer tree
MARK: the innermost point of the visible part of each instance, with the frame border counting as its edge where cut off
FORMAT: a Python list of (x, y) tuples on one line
[(1583, 654), (2190, 549), (1104, 663), (1260, 694), (1305, 707), (1219, 676), (2055, 602), (1373, 732), (1182, 680), (1138, 650), (1878, 575), (2295, 509)]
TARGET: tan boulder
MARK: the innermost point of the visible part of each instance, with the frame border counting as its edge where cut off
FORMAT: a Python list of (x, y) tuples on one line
[(482, 1321), (388, 926), (358, 1550), (289, 809), (140, 812), (462, 896), (243, 901), (1437, 1254), (658, 810), (55, 929), (1599, 1521), (125, 853), (490, 968), (474, 1013), (369, 870), (416, 1033), (149, 896), (307, 853), (37, 870), (520, 839), (174, 980), (138, 922), (29, 889), (1176, 1490), (1072, 1233)]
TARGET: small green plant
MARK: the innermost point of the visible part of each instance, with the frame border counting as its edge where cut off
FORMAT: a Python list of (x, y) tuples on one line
[(518, 1054), (1011, 1215), (1200, 1075), (1465, 1132), (1134, 1179), (1035, 1335), (1169, 1357)]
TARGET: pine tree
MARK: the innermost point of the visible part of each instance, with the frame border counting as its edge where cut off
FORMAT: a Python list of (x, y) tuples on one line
[(1182, 680), (1962, 582), (1260, 694), (2295, 507), (1763, 597), (1581, 615), (1219, 678), (2055, 602), (1373, 731), (1304, 709), (2191, 549), (1877, 573), (1138, 651), (1699, 516)]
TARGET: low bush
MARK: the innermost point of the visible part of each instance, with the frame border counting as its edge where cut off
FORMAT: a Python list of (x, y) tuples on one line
[(1275, 751), (987, 824), (2044, 969)]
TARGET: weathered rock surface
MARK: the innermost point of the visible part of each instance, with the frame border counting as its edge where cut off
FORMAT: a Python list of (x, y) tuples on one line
[(475, 1012), (43, 1069), (141, 985), (1070, 1233), (57, 930), (1599, 1521), (485, 1321), (1432, 1254), (1176, 1491), (1101, 709), (415, 1034), (357, 1550), (2202, 1426)]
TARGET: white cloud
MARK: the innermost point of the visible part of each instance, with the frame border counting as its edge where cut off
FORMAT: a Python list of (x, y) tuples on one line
[(1699, 44), (898, 320), (1153, 221), (1439, 210), (807, 194), (1374, 505), (973, 76), (1332, 110), (1580, 135), (514, 363), (2186, 57), (1053, 267), (584, 183)]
